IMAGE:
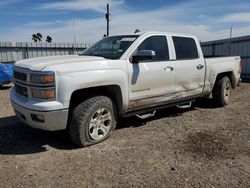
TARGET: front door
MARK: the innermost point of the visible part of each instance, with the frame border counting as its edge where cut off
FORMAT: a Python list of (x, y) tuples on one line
[(151, 82)]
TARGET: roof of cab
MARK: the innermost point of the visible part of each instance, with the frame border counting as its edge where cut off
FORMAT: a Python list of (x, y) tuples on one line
[(160, 32), (167, 33)]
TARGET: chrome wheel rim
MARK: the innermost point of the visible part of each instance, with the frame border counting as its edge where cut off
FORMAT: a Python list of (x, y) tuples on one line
[(227, 88), (100, 123)]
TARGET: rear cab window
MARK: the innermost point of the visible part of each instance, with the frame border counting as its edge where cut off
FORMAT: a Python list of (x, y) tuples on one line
[(185, 48)]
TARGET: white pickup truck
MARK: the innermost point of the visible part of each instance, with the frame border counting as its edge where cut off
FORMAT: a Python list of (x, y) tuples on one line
[(118, 76)]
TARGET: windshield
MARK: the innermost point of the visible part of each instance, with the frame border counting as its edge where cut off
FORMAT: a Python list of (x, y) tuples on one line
[(111, 47)]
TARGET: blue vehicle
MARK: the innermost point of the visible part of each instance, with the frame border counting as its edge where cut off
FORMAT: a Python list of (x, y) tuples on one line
[(5, 73)]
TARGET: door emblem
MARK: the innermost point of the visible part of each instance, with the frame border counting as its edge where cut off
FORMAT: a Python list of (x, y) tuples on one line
[(141, 90)]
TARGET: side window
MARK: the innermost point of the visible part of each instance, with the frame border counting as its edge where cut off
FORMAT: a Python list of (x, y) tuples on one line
[(185, 48), (158, 44)]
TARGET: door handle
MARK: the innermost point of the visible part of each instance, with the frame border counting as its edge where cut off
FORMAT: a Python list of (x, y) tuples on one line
[(169, 67), (200, 66)]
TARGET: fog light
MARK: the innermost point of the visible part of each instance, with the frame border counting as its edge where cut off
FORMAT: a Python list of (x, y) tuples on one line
[(38, 118)]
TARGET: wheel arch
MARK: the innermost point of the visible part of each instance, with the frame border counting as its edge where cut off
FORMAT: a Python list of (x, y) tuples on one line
[(230, 75), (114, 92)]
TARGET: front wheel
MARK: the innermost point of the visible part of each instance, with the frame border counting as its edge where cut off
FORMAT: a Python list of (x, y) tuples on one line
[(221, 91), (92, 121)]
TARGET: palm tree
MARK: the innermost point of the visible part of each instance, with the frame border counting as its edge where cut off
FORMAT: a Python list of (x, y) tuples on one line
[(34, 37), (39, 37), (49, 39)]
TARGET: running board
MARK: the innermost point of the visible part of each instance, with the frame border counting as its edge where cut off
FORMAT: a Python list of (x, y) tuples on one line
[(183, 106), (145, 116)]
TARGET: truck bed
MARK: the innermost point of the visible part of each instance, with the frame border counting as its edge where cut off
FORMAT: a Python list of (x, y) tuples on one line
[(217, 65)]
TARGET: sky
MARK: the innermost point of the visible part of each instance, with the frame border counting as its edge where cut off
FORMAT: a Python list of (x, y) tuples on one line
[(84, 21)]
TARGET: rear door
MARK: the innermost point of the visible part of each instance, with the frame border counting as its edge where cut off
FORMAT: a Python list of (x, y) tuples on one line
[(189, 67)]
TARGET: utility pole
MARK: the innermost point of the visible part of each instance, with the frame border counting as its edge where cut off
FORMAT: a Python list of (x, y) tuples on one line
[(74, 31), (231, 32), (229, 47), (107, 19), (74, 38)]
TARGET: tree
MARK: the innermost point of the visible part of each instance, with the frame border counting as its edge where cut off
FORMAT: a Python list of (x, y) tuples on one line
[(34, 37), (39, 37), (49, 39)]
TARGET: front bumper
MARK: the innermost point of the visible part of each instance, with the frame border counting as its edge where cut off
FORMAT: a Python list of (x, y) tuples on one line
[(52, 120), (50, 115)]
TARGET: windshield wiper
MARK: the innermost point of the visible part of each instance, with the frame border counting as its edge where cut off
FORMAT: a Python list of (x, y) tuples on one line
[(93, 55)]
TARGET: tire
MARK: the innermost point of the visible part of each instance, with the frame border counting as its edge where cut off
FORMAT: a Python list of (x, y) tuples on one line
[(92, 121), (221, 91)]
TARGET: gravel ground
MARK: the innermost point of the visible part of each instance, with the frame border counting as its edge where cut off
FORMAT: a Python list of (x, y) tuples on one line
[(199, 147)]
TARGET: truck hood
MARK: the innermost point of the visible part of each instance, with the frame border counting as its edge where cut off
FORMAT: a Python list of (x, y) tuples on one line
[(38, 64)]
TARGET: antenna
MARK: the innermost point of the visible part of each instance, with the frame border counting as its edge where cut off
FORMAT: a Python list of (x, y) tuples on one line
[(137, 31)]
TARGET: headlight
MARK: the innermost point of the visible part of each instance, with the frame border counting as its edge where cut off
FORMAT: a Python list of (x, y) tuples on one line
[(43, 78), (43, 93)]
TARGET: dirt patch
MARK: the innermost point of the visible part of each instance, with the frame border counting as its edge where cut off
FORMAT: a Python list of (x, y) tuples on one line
[(208, 145), (203, 146)]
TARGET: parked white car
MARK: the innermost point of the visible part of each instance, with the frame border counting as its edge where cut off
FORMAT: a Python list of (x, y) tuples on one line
[(118, 76)]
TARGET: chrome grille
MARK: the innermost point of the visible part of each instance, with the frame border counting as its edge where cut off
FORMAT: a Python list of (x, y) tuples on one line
[(20, 76), (21, 90), (23, 84)]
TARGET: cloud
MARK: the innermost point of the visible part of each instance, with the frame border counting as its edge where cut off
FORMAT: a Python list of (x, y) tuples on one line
[(237, 17), (6, 2), (192, 17), (44, 24), (96, 5), (87, 31)]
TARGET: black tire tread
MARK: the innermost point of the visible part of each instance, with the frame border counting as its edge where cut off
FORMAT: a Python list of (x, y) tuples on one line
[(80, 114), (218, 91)]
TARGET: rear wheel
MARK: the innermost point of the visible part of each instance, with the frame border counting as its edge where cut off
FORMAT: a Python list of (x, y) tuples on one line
[(221, 91), (92, 121)]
